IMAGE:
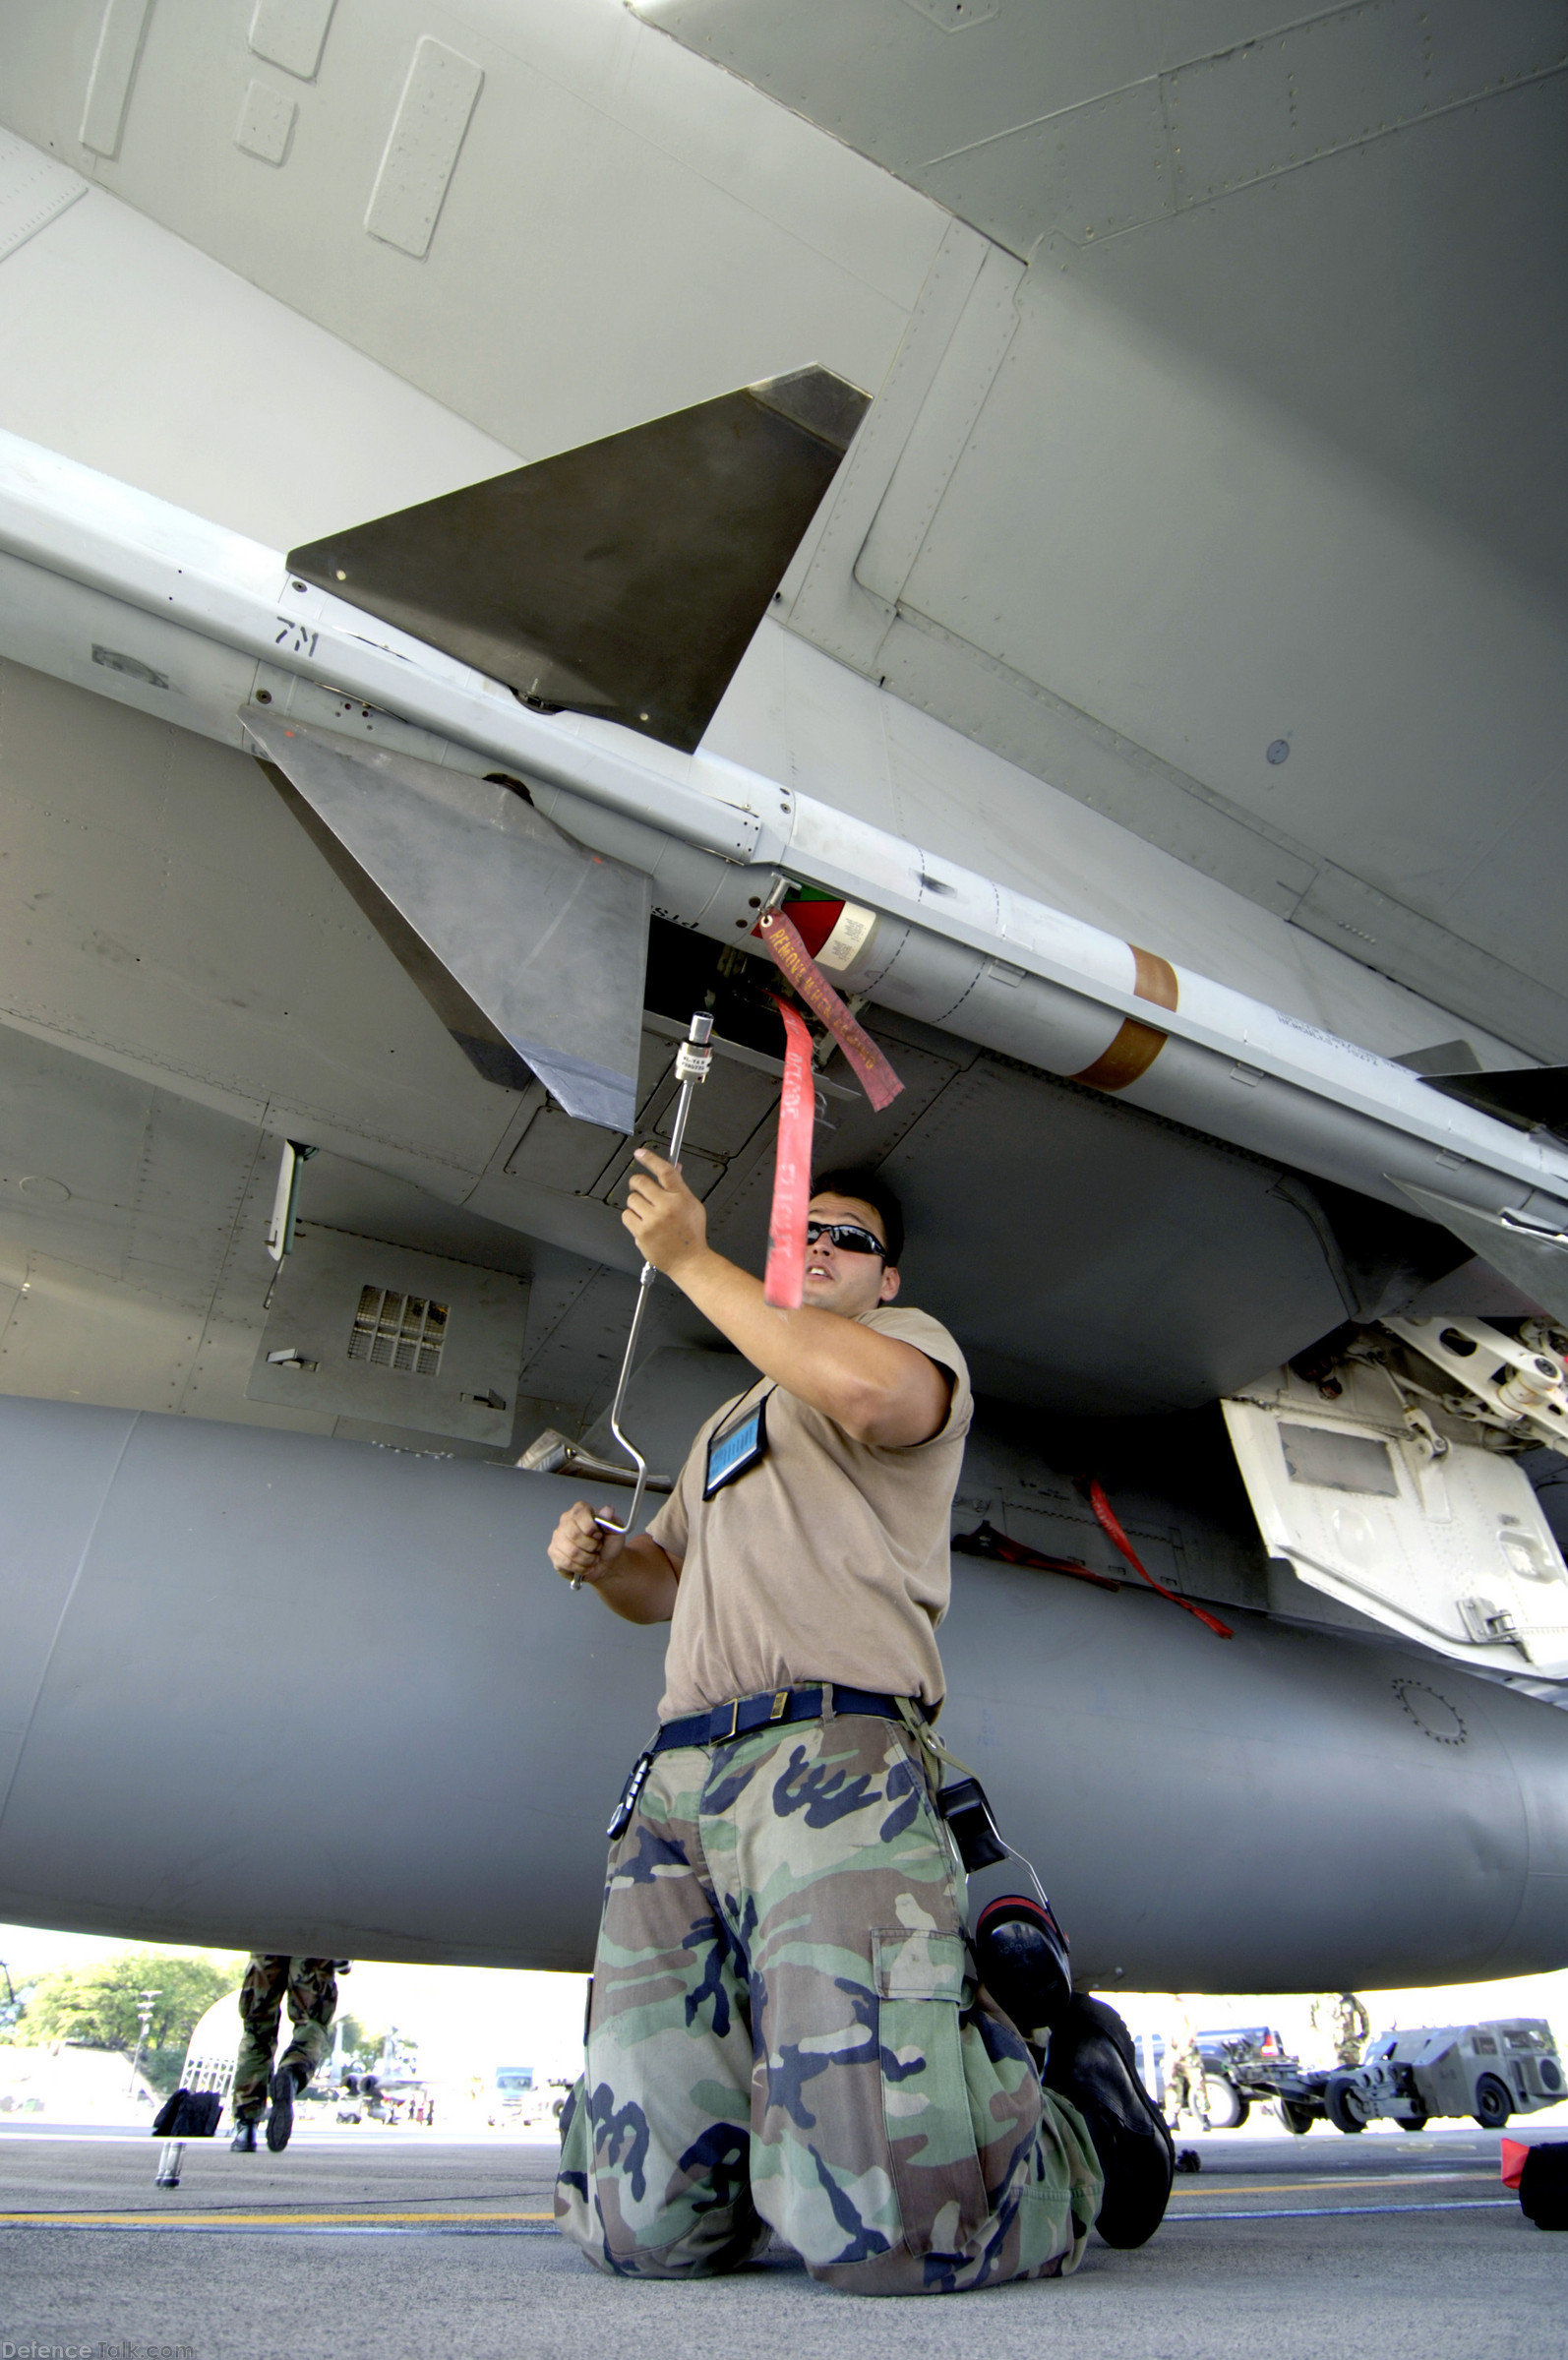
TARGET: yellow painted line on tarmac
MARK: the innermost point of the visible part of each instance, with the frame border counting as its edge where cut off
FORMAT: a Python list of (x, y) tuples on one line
[(1236, 2184), (1195, 2184), (250, 2221)]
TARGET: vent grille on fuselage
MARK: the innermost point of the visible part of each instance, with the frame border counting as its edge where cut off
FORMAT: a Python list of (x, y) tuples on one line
[(399, 1331)]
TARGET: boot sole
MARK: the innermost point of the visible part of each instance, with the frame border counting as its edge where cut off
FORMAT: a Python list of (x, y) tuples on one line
[(280, 2114), (1118, 2034), (1140, 2169), (1142, 2163)]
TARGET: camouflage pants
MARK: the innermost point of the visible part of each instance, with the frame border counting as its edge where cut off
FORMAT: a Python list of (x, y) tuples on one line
[(783, 2035), (1187, 2087), (310, 1987)]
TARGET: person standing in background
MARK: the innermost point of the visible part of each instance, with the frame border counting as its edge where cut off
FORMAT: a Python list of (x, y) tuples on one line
[(309, 1986)]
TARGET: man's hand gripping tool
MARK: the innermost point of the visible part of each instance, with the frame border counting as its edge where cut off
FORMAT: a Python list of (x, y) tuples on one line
[(691, 1062)]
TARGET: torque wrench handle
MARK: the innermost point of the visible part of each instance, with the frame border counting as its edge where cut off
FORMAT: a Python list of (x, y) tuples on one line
[(691, 1062)]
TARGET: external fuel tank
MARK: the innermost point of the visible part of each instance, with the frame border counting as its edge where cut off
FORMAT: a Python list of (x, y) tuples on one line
[(261, 1689)]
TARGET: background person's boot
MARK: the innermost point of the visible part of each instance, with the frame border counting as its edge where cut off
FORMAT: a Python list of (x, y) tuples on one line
[(1094, 2065), (280, 2113)]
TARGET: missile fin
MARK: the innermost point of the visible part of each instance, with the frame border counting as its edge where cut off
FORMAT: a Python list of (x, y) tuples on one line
[(1534, 1259), (624, 578), (532, 949)]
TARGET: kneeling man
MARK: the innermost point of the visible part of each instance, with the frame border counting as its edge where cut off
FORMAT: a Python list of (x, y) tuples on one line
[(785, 2030)]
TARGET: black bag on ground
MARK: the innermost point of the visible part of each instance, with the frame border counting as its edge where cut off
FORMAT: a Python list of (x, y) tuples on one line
[(189, 2114), (1544, 2185)]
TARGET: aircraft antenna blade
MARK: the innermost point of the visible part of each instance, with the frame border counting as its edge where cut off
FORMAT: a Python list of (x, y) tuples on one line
[(531, 951)]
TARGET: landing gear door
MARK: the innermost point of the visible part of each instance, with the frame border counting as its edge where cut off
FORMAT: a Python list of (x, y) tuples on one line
[(1448, 1547)]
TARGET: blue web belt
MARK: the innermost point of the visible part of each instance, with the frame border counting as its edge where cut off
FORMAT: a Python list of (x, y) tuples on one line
[(775, 1708)]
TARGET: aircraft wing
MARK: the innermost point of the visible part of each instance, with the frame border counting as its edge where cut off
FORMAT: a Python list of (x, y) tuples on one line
[(1227, 387)]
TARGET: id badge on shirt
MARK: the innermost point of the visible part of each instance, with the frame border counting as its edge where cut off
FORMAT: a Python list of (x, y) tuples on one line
[(739, 1446)]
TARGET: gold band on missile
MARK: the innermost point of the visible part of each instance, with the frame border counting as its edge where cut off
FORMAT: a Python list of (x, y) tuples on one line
[(1135, 1045)]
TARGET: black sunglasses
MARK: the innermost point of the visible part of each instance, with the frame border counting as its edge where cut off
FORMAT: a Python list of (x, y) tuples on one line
[(847, 1236)]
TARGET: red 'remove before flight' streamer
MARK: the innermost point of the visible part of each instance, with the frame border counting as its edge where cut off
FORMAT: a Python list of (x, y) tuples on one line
[(784, 1283), (790, 956)]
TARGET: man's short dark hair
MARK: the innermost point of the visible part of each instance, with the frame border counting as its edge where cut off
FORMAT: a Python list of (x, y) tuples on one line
[(869, 1187)]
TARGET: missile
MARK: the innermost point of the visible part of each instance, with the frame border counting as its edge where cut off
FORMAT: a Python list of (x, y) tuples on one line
[(110, 587)]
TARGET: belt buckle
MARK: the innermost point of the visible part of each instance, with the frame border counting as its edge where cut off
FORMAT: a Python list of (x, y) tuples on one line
[(723, 1736)]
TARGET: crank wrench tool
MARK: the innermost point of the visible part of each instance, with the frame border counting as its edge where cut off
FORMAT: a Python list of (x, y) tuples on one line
[(691, 1062)]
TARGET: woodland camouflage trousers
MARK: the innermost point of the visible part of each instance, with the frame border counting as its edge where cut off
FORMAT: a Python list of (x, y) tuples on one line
[(784, 2034), (311, 1991)]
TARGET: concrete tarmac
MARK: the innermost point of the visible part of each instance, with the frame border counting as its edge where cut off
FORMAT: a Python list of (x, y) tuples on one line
[(398, 2244)]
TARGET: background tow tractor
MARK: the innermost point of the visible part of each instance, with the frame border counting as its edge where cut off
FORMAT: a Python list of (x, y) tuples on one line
[(1489, 2071)]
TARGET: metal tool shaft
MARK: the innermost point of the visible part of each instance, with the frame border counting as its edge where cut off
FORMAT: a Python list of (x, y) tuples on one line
[(692, 1064)]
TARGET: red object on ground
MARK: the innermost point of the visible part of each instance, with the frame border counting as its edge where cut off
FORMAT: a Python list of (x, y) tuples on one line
[(784, 1282), (1514, 2152), (796, 964), (1110, 1523)]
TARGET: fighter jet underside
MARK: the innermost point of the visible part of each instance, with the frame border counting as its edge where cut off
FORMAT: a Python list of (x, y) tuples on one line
[(410, 701)]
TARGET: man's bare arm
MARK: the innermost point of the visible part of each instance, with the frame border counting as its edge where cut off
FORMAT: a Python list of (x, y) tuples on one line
[(635, 1578), (876, 1388)]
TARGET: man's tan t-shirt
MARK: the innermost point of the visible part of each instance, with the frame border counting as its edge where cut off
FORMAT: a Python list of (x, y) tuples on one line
[(826, 1559)]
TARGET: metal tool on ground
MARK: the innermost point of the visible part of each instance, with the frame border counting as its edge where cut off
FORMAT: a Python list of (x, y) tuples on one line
[(691, 1062), (187, 2114)]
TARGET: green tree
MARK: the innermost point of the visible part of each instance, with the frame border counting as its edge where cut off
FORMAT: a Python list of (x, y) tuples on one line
[(98, 2006), (362, 2045)]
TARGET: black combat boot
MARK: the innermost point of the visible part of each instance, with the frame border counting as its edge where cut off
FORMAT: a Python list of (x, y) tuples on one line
[(280, 2113), (1093, 2064), (1022, 1956), (243, 2142)]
